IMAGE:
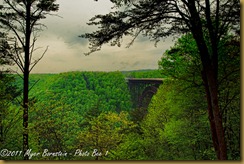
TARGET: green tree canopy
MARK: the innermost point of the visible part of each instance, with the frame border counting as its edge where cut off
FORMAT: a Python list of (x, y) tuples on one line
[(208, 21), (182, 64), (104, 133)]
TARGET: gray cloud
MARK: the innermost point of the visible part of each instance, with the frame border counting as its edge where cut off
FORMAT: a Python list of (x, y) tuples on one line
[(66, 49)]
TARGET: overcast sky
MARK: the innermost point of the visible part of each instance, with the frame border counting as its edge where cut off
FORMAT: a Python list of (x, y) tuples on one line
[(66, 49)]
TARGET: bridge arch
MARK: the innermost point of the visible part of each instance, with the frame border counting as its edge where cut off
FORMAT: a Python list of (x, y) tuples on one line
[(146, 96), (142, 90)]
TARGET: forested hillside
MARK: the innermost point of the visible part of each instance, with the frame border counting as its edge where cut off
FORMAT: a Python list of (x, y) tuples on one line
[(89, 116), (62, 103), (84, 90)]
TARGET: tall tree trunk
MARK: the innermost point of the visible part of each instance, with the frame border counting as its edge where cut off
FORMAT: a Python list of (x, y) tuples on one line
[(211, 83), (26, 80), (25, 115), (210, 116), (213, 88)]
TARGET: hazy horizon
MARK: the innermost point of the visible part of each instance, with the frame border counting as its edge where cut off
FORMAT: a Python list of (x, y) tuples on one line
[(66, 48)]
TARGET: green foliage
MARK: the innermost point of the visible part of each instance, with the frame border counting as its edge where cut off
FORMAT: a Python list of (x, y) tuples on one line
[(143, 74), (64, 105), (181, 62), (176, 127), (84, 90), (11, 130), (9, 112), (54, 126), (131, 148), (104, 133), (229, 93)]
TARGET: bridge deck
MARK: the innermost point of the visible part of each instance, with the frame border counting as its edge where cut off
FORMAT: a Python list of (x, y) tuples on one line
[(145, 80)]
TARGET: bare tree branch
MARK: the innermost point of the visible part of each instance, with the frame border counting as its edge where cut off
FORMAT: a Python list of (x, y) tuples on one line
[(36, 61), (32, 47)]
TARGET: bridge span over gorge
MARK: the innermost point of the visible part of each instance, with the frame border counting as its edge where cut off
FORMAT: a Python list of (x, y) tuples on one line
[(142, 90)]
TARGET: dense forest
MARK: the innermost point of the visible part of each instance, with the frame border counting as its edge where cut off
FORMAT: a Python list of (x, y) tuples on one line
[(194, 114), (64, 108)]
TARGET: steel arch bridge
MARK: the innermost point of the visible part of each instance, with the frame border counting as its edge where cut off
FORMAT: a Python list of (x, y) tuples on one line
[(142, 90)]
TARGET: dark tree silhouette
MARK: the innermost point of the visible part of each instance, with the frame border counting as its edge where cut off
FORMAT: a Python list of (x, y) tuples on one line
[(208, 21), (21, 20), (8, 91)]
